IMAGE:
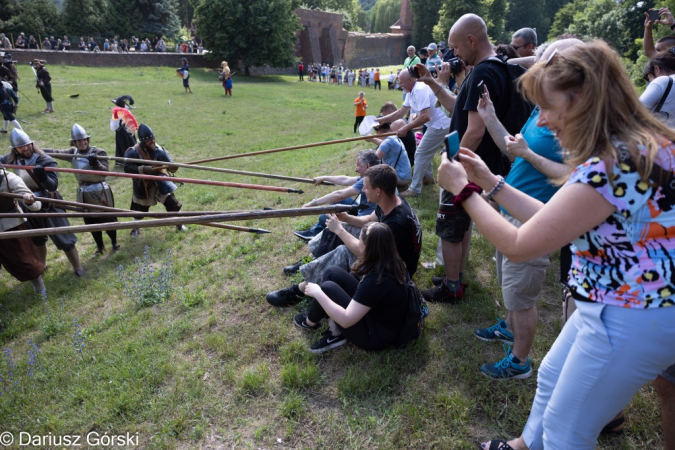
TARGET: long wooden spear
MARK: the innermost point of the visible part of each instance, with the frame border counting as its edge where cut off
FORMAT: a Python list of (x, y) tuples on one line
[(161, 178), (68, 156), (179, 221), (295, 147), (115, 212)]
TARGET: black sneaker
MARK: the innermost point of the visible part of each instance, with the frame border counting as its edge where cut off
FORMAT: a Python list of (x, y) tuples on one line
[(285, 297), (437, 281), (306, 235), (135, 232), (300, 321), (327, 342), (441, 294), (293, 268)]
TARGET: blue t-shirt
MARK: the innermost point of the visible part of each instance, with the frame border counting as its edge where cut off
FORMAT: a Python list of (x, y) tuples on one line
[(370, 207), (523, 175), (392, 147)]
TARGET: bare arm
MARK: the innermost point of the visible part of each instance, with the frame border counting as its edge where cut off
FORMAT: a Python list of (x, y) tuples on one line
[(445, 98), (357, 221), (474, 132), (517, 146), (648, 39), (399, 114), (345, 317), (352, 243), (340, 180), (333, 197), (422, 117)]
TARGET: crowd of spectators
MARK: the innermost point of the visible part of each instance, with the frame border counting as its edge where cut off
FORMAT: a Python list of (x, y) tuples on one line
[(115, 44)]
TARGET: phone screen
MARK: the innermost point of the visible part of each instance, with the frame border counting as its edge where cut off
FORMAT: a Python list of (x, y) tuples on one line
[(654, 14), (452, 145)]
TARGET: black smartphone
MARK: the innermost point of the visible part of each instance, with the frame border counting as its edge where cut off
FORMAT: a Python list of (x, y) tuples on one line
[(654, 14), (452, 145)]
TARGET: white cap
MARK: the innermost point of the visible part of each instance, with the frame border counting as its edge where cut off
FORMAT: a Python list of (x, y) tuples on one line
[(432, 46)]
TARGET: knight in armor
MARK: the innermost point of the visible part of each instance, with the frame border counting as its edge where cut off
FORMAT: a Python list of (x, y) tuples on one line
[(8, 71), (124, 138), (18, 256), (43, 81), (9, 103), (92, 189), (147, 193), (44, 184)]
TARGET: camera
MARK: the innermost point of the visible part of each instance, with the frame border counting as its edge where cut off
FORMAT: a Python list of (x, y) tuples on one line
[(414, 73), (456, 65)]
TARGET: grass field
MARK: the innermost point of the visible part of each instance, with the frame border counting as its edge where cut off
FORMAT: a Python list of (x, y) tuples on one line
[(201, 360)]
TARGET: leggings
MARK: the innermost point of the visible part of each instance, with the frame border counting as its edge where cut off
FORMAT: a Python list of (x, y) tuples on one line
[(171, 204), (358, 121), (340, 286), (98, 235)]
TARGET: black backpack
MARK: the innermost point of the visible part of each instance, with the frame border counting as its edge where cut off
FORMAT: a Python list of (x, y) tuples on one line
[(519, 109), (414, 317)]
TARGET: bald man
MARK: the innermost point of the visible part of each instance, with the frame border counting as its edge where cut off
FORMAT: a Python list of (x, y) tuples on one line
[(469, 39)]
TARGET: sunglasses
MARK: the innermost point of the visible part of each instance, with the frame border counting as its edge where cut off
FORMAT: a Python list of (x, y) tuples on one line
[(555, 54)]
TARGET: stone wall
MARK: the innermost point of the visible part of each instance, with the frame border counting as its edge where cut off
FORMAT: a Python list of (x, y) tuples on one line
[(373, 50), (109, 59)]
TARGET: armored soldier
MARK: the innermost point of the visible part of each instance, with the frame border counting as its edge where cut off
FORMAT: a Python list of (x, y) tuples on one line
[(9, 102), (8, 72), (44, 184), (18, 256), (92, 189), (43, 82), (147, 193), (124, 137)]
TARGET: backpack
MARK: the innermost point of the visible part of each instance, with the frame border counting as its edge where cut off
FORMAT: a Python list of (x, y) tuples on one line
[(519, 109), (413, 323)]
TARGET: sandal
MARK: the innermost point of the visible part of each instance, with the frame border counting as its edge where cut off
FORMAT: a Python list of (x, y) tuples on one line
[(615, 427), (497, 445)]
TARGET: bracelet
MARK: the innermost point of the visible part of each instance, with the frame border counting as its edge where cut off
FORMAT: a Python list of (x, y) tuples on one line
[(496, 188), (438, 90), (465, 193)]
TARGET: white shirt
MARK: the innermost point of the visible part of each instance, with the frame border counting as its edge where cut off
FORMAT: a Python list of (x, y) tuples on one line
[(421, 98), (652, 95), (391, 78)]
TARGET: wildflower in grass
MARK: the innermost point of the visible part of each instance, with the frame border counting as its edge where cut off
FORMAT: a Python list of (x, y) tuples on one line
[(144, 285), (34, 359), (8, 379), (78, 337)]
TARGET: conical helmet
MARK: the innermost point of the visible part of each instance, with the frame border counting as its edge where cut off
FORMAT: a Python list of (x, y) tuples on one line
[(19, 138), (145, 133), (78, 133)]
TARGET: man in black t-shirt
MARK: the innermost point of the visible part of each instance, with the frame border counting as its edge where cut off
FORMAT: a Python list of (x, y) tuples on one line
[(380, 188), (469, 40)]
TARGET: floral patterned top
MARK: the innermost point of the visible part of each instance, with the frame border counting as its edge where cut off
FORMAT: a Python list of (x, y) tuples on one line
[(628, 260)]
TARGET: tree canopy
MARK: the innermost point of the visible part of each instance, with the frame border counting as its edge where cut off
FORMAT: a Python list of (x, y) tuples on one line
[(255, 32)]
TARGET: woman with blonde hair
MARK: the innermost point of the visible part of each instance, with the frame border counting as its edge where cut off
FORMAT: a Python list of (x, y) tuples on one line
[(617, 207), (225, 75)]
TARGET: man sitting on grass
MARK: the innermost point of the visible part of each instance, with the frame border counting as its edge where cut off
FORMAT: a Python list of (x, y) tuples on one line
[(380, 188)]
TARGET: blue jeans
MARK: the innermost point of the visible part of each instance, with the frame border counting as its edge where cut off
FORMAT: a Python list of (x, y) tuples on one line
[(600, 360), (321, 224)]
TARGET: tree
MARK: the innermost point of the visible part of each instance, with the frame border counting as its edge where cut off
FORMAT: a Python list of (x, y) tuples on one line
[(38, 17), (255, 32), (452, 10), (496, 23), (9, 11), (384, 14), (84, 17), (185, 12), (123, 19), (426, 14), (527, 14), (159, 17)]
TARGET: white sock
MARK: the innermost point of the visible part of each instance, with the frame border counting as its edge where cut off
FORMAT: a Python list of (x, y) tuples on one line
[(6, 125), (15, 123)]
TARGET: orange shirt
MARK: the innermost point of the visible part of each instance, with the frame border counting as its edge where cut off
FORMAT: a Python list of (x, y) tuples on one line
[(360, 106), (377, 76)]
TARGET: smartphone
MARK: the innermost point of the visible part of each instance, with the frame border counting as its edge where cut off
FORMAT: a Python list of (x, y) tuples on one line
[(452, 145), (654, 14)]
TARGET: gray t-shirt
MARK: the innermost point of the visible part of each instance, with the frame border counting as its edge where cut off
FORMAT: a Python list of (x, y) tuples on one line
[(653, 94)]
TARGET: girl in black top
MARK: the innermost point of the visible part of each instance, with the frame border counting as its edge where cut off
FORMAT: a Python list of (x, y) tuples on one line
[(370, 312)]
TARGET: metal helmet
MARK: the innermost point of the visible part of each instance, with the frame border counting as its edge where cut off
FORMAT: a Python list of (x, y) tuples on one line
[(19, 138), (123, 100), (145, 133), (78, 133)]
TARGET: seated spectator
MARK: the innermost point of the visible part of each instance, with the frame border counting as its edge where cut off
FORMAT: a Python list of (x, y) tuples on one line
[(59, 44), (366, 307), (91, 45), (54, 43), (32, 43), (4, 42), (65, 43), (393, 153), (46, 45), (408, 140), (82, 45), (348, 196), (660, 73), (379, 187), (106, 45)]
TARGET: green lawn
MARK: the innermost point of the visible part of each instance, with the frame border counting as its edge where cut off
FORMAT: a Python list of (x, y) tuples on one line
[(212, 365)]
